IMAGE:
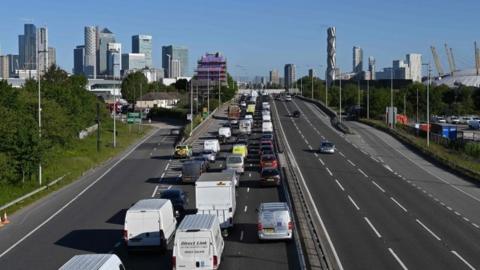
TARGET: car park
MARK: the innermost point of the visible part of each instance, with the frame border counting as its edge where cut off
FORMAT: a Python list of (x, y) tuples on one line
[(178, 198), (270, 176), (274, 221), (268, 161)]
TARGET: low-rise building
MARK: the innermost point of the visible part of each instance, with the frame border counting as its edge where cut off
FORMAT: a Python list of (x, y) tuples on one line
[(158, 99)]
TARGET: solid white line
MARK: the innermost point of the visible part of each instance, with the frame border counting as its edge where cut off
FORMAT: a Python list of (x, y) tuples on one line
[(378, 186), (341, 154), (321, 161), (362, 172), (340, 185), (428, 230), (76, 197), (463, 260), (329, 172), (353, 202), (245, 209), (399, 205), (349, 161), (398, 259), (155, 191), (322, 224), (241, 236), (373, 227)]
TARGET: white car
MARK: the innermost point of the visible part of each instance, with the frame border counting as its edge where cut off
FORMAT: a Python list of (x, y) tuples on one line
[(288, 98), (274, 221)]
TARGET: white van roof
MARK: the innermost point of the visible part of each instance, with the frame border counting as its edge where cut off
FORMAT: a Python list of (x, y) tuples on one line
[(148, 204), (215, 176), (197, 222), (88, 261), (274, 206)]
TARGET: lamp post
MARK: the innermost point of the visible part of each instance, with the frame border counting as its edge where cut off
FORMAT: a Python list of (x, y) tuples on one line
[(340, 102), (191, 107), (391, 99), (208, 90), (428, 103), (311, 78), (368, 99)]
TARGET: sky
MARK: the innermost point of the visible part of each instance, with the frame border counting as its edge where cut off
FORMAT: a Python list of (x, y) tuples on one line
[(258, 35)]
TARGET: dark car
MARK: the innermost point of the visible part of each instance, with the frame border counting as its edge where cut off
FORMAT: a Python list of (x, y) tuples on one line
[(178, 198), (265, 149), (267, 137), (270, 176), (296, 114)]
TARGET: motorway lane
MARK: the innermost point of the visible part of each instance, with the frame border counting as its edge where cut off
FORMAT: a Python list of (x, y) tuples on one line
[(446, 229)]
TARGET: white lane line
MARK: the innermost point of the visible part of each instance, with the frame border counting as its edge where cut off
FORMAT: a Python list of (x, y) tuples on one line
[(248, 189), (249, 174), (475, 225), (362, 172), (310, 147), (155, 191), (428, 230), (163, 175), (166, 167), (378, 186), (340, 185), (169, 187), (373, 227), (457, 213), (381, 160), (466, 219), (372, 157), (463, 260), (316, 155), (351, 163), (245, 209), (398, 259), (241, 236), (341, 154), (76, 197), (321, 161), (353, 202), (329, 172), (399, 205)]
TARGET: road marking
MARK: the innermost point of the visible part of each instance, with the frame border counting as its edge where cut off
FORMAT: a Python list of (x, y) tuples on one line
[(340, 185), (387, 167), (349, 161), (378, 186), (76, 197), (449, 208), (163, 175), (398, 259), (428, 230), (373, 227), (169, 187), (321, 161), (463, 260), (329, 172), (245, 209), (166, 167), (353, 202), (476, 226), (372, 157), (241, 236), (466, 219), (248, 189), (316, 155), (249, 174), (362, 172), (399, 205), (155, 191), (457, 213), (341, 154), (381, 160)]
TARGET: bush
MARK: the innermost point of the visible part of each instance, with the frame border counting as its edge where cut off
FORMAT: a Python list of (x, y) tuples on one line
[(472, 149)]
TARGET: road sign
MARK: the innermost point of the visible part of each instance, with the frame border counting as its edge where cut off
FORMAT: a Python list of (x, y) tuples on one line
[(133, 115)]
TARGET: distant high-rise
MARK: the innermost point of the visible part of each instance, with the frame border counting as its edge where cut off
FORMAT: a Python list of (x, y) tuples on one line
[(331, 54), (27, 47), (104, 37), (143, 44), (414, 61), (42, 41), (274, 77), (371, 67), (90, 62), (176, 68), (133, 61), (13, 64), (114, 60), (21, 51), (357, 60), (52, 56), (78, 59), (4, 67), (171, 53), (289, 75), (311, 73)]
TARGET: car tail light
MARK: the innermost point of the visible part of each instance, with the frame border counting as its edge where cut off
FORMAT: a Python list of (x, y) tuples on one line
[(290, 225), (174, 262), (259, 227), (215, 262), (125, 235)]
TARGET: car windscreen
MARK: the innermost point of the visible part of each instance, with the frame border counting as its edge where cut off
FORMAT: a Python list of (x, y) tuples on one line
[(329, 145)]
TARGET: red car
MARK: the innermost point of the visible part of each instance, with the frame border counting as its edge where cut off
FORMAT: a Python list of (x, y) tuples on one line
[(270, 177), (266, 142), (268, 161)]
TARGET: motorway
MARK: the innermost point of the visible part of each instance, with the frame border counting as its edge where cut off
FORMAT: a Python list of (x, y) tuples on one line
[(375, 218), (87, 216)]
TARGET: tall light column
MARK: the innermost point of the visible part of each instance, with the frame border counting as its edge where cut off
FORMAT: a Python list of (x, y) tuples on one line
[(208, 90), (340, 102), (368, 99), (312, 82), (392, 125)]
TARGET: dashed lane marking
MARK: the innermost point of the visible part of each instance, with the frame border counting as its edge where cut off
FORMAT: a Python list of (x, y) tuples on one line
[(362, 172), (397, 259), (155, 191), (351, 163), (463, 260), (428, 230), (378, 186), (399, 205), (353, 202), (329, 172), (340, 185), (373, 227)]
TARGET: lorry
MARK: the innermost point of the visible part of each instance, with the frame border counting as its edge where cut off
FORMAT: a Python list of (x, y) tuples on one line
[(198, 243), (234, 113), (215, 195)]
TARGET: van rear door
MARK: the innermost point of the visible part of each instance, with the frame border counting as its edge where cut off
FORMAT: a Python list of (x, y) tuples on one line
[(194, 252)]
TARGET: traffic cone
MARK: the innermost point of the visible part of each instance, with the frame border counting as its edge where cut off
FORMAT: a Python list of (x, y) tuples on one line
[(5, 218)]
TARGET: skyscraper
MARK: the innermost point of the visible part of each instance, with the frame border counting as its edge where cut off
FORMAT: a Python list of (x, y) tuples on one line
[(104, 36), (170, 53), (133, 61), (357, 60), (42, 39), (4, 69), (78, 59), (311, 73), (21, 51), (289, 75), (414, 61), (52, 56), (13, 64), (90, 61), (371, 67), (114, 60), (274, 78), (143, 44), (27, 47)]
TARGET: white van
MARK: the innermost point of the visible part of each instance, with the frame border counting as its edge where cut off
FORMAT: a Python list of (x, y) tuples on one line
[(265, 106), (150, 223), (198, 243), (266, 118), (267, 127), (215, 195), (245, 127), (94, 262), (213, 145), (225, 132), (274, 221)]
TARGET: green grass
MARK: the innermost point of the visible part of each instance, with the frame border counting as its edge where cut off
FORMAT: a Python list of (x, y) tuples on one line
[(73, 162), (456, 160)]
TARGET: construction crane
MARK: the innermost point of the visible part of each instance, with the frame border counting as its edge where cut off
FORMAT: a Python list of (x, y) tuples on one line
[(436, 59), (451, 64)]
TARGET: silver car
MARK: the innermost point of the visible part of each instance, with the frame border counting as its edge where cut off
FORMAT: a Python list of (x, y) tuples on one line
[(274, 221), (236, 162), (327, 147), (209, 155)]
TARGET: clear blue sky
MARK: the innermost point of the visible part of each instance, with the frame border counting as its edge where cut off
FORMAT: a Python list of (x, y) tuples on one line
[(258, 34)]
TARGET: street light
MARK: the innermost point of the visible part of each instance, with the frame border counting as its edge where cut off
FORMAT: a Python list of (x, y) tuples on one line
[(368, 99), (340, 102), (391, 99), (428, 102), (312, 82)]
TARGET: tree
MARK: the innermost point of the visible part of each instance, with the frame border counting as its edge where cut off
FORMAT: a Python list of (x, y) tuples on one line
[(181, 85), (133, 85)]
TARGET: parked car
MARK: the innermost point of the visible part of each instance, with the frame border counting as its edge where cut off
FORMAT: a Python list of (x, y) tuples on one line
[(274, 221), (268, 161), (327, 147), (270, 176), (236, 162), (178, 198), (183, 151), (94, 262)]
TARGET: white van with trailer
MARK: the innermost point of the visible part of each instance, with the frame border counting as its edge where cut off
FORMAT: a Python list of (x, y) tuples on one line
[(213, 145), (215, 195), (94, 262), (198, 243), (150, 223)]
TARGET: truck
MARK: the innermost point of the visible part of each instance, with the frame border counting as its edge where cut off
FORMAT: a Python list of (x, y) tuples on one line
[(192, 169), (234, 113), (215, 195)]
